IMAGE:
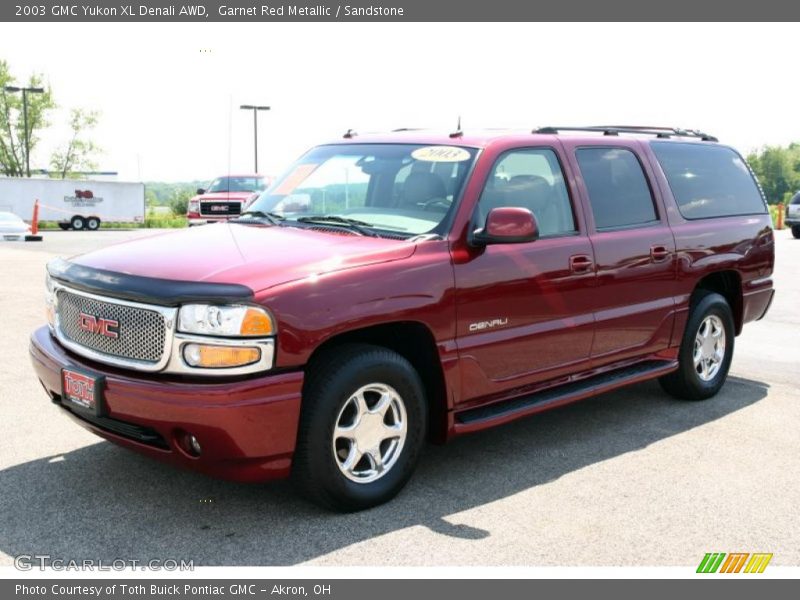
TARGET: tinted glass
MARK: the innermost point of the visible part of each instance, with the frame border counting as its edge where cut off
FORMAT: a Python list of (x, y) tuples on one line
[(708, 181), (796, 199), (618, 191), (530, 179)]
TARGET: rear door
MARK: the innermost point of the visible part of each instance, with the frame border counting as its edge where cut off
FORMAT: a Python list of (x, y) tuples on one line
[(634, 250), (524, 311)]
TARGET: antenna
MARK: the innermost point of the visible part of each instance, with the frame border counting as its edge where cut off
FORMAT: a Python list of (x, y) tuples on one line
[(349, 134), (457, 132)]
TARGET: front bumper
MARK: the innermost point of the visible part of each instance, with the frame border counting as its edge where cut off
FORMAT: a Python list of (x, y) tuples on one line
[(247, 428), (207, 220)]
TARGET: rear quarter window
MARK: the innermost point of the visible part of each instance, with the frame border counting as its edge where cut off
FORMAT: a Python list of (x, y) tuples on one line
[(709, 181)]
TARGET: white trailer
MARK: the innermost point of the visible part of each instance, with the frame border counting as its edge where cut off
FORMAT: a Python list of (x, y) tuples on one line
[(75, 203)]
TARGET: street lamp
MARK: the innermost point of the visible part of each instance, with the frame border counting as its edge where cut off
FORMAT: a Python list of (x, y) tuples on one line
[(27, 134), (255, 110)]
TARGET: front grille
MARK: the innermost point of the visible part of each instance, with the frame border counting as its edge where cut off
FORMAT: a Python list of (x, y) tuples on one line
[(220, 209), (141, 333)]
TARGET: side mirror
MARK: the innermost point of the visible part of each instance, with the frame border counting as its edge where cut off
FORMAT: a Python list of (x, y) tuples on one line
[(507, 225), (200, 191)]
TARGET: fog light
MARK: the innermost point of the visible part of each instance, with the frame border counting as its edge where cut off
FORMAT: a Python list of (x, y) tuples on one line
[(188, 443), (219, 357)]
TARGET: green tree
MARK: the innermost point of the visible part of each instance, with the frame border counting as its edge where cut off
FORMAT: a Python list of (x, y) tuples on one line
[(778, 171), (78, 153), (13, 157), (180, 201)]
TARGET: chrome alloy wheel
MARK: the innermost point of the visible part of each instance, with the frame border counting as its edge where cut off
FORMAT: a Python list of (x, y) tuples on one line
[(370, 432), (709, 347)]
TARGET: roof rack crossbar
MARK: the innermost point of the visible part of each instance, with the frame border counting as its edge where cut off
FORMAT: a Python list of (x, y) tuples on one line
[(660, 132)]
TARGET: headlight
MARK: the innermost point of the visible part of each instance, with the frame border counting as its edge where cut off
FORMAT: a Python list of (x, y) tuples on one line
[(225, 321), (50, 301)]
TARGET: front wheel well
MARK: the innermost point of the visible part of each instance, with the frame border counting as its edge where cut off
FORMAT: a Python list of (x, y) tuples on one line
[(729, 285), (413, 341)]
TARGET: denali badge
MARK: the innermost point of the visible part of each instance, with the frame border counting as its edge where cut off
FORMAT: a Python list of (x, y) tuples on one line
[(99, 325), (488, 324)]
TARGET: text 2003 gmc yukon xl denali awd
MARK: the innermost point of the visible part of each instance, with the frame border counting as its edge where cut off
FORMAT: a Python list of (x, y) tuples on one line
[(392, 288)]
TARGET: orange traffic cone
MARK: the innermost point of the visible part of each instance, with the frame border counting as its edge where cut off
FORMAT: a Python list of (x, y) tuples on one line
[(34, 235)]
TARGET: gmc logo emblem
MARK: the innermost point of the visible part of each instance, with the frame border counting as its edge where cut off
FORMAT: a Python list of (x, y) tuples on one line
[(219, 208), (106, 327)]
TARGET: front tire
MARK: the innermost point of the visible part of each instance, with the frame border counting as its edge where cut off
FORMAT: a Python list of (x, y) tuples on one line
[(796, 231), (706, 350), (362, 427), (77, 223)]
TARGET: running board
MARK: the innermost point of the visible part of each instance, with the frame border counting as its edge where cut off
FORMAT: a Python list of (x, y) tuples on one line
[(473, 419)]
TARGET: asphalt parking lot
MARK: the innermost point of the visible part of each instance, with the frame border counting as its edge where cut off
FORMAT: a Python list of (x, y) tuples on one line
[(629, 478)]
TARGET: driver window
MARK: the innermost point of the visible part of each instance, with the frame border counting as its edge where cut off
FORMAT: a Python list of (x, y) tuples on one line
[(532, 179)]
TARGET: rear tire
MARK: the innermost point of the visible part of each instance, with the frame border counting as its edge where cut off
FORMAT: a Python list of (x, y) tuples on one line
[(362, 427), (77, 223), (92, 223), (796, 231), (706, 349)]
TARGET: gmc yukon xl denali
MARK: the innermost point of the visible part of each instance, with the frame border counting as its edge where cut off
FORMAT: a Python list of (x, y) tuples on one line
[(413, 286)]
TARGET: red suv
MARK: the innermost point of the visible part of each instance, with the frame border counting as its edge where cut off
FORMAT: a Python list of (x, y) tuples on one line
[(225, 198), (411, 286)]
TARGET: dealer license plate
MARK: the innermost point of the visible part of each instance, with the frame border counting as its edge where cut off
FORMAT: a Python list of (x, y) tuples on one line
[(82, 390)]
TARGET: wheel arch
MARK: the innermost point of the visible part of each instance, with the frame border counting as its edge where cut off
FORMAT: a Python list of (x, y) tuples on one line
[(415, 342), (728, 284)]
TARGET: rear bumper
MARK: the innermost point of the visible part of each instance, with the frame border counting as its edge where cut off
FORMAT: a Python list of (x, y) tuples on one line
[(757, 297), (791, 221), (247, 428)]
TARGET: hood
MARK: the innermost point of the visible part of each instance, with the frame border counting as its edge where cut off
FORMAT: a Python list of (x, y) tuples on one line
[(258, 257)]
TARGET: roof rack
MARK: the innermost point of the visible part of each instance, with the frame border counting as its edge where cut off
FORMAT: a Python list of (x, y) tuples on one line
[(660, 132)]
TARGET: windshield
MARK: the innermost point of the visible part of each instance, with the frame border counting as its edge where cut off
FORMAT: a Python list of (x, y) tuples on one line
[(400, 188), (236, 184)]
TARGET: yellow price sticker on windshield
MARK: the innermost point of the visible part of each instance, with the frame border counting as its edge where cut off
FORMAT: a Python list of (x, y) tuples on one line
[(440, 154)]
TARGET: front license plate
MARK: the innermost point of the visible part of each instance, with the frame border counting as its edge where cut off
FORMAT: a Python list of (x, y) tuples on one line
[(82, 390)]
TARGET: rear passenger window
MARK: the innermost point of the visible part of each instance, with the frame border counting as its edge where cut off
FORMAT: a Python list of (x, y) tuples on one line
[(531, 179), (708, 181), (618, 191)]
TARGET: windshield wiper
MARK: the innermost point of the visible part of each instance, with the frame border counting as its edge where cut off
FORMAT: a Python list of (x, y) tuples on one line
[(270, 217), (353, 224)]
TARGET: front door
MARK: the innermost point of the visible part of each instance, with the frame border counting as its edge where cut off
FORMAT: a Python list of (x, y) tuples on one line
[(524, 311)]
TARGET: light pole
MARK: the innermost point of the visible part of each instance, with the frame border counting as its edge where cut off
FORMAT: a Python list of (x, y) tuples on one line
[(255, 110), (27, 133)]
